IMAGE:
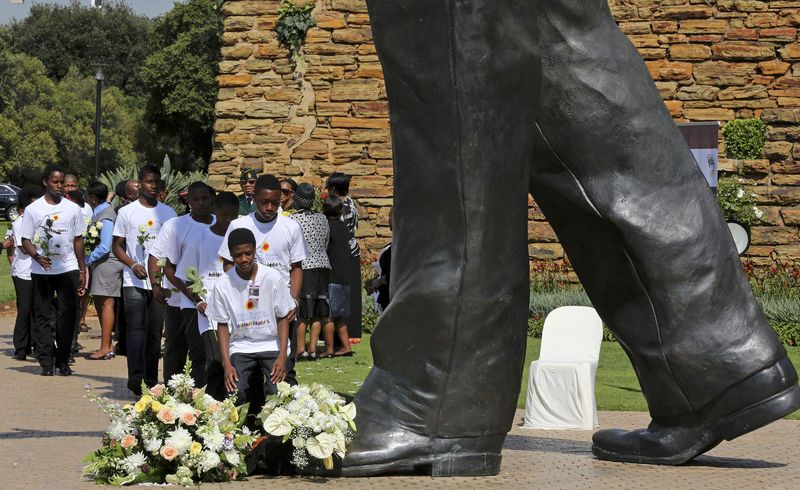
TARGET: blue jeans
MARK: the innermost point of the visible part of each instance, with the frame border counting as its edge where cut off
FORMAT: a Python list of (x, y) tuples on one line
[(144, 321)]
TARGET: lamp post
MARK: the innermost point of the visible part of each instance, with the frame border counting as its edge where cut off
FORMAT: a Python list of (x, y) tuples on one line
[(98, 118)]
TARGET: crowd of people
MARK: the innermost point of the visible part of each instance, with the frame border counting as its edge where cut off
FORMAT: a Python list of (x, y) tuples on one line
[(244, 286)]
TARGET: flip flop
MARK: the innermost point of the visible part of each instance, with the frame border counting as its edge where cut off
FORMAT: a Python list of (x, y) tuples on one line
[(104, 357)]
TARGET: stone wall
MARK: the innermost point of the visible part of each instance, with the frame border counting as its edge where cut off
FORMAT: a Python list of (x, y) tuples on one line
[(712, 60)]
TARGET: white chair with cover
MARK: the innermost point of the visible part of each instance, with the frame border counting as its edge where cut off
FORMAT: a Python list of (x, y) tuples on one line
[(561, 382)]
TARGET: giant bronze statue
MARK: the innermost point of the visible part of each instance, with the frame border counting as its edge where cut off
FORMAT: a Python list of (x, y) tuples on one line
[(491, 100)]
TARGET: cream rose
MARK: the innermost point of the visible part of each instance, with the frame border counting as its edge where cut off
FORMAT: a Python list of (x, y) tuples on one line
[(167, 416), (129, 441), (188, 418), (157, 390), (169, 453)]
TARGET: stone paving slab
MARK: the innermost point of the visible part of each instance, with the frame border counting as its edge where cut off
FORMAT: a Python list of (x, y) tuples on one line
[(47, 427)]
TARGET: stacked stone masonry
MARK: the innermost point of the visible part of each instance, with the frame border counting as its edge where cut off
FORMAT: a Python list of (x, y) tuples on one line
[(711, 60)]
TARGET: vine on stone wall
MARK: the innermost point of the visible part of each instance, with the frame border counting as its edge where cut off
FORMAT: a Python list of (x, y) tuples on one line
[(744, 138), (294, 21)]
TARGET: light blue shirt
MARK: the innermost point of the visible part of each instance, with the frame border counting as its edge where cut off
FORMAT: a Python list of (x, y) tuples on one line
[(106, 236)]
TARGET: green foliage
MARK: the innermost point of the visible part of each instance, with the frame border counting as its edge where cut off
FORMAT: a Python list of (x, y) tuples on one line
[(176, 182), (180, 77), (369, 312), (66, 36), (737, 204), (294, 21), (744, 138), (44, 122)]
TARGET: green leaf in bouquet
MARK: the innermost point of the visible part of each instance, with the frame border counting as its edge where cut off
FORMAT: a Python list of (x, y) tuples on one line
[(242, 417)]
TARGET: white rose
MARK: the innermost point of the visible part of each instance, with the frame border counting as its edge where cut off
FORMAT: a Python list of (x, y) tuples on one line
[(299, 442), (99, 225), (142, 228)]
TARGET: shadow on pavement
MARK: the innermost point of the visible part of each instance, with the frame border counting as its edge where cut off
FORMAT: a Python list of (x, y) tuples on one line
[(37, 434)]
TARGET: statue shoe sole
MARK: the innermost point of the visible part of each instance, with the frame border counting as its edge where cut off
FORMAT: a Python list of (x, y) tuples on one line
[(727, 427), (435, 465)]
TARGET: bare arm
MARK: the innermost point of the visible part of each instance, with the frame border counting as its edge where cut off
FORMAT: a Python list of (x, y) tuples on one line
[(29, 249), (278, 372), (170, 270), (231, 376), (295, 285), (80, 254), (118, 249)]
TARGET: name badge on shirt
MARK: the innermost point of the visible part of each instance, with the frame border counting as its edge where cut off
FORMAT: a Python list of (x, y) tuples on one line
[(253, 292)]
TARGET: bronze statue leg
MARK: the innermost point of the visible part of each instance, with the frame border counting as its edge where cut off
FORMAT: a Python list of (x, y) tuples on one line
[(490, 99)]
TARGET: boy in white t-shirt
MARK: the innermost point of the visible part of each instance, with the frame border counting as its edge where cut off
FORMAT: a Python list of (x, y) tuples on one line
[(21, 276), (52, 235), (250, 304), (201, 255), (136, 227), (170, 246)]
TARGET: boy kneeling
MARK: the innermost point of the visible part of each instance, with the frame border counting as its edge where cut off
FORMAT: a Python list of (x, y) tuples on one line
[(250, 303)]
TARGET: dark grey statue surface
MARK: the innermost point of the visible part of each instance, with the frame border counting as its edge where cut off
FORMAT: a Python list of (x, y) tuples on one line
[(491, 100)]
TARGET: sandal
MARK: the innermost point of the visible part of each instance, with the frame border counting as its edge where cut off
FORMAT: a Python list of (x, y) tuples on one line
[(105, 357), (84, 327), (301, 356), (313, 356)]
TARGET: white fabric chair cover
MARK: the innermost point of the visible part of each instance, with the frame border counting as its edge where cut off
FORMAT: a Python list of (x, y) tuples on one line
[(561, 382)]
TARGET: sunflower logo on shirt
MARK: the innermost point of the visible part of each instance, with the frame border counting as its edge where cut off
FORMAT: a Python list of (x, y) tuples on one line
[(265, 247), (55, 217), (250, 305), (150, 223)]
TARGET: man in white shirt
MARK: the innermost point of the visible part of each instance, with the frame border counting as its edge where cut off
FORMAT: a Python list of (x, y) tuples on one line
[(279, 244), (251, 303), (52, 235), (171, 247), (21, 276), (202, 256), (136, 227)]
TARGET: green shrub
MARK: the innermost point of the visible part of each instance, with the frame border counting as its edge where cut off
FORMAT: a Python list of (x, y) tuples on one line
[(369, 312), (744, 138), (736, 203)]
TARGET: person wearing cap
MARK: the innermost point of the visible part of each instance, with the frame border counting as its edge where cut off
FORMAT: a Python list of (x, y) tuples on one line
[(247, 202), (314, 308)]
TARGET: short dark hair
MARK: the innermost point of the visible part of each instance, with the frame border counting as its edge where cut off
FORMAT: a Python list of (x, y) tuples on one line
[(291, 183), (66, 176), (269, 182), (148, 169), (240, 236), (338, 182), (227, 199), (199, 186), (121, 189), (51, 169), (98, 190), (28, 194), (332, 206)]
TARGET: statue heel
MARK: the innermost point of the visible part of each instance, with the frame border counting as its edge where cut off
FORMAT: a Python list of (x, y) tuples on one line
[(760, 414), (472, 464)]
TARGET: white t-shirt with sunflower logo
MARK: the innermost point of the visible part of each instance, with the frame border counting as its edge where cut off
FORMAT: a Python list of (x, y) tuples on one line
[(53, 228), (251, 309), (202, 255), (279, 243), (139, 225)]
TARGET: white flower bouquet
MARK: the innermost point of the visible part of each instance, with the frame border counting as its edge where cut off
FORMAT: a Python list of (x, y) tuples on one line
[(314, 418), (91, 237), (173, 434)]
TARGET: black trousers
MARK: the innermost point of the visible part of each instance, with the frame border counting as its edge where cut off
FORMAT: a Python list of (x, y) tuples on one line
[(182, 338), (22, 326), (215, 375), (55, 304), (354, 319), (145, 321)]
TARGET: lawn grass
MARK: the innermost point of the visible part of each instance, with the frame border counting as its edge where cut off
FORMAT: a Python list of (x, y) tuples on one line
[(616, 386)]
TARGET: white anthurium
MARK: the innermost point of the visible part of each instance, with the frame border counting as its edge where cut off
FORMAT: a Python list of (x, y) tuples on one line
[(339, 446), (349, 411), (321, 445), (277, 424)]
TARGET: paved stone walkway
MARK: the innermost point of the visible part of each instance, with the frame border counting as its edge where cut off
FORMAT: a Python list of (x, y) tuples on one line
[(47, 427)]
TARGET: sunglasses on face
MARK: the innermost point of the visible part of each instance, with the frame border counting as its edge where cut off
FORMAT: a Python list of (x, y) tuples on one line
[(286, 192), (251, 182)]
